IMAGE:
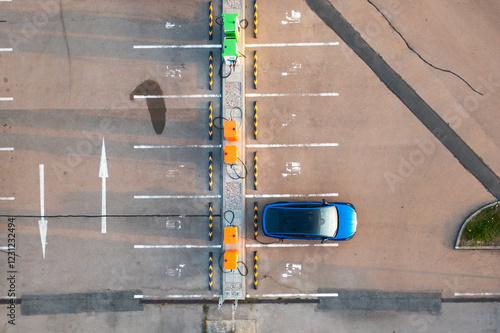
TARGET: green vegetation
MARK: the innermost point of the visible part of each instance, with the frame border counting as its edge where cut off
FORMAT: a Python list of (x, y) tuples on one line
[(204, 325), (483, 229)]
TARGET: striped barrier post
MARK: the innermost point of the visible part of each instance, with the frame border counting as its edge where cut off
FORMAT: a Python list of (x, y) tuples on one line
[(255, 220), (211, 71), (255, 171), (210, 171), (255, 121), (210, 221), (255, 16), (210, 120), (255, 270), (211, 21), (255, 69), (210, 270)]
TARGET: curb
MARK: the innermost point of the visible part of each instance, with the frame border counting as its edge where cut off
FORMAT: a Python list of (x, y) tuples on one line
[(457, 247)]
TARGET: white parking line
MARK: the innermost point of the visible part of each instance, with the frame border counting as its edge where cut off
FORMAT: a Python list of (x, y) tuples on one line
[(191, 46), (178, 96), (175, 146), (7, 149), (5, 99), (177, 296), (292, 245), (293, 95), (295, 295), (292, 44), (6, 49), (7, 198), (177, 246), (7, 248), (477, 294), (252, 196), (293, 145), (177, 196)]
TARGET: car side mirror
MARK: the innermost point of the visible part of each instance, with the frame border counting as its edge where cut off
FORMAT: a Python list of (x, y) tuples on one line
[(325, 202), (324, 240)]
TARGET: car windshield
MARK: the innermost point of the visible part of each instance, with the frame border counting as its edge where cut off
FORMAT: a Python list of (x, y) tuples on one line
[(321, 221)]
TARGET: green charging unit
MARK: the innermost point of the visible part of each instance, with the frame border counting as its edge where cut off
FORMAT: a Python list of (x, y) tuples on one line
[(231, 26), (230, 49)]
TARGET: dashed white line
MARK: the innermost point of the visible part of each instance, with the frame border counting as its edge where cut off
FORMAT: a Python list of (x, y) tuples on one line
[(180, 46), (296, 295), (263, 196), (293, 95), (294, 145), (6, 49), (292, 44), (177, 246), (7, 149), (175, 146), (477, 294), (7, 198), (177, 96), (293, 245), (6, 99), (177, 196)]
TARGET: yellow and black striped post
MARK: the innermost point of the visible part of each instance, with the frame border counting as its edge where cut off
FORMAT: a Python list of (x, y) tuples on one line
[(255, 171), (255, 69), (210, 221), (210, 120), (210, 171), (255, 220), (255, 121), (210, 270), (255, 270), (255, 16), (211, 71), (210, 21)]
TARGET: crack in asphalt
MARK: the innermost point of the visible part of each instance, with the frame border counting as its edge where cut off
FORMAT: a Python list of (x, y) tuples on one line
[(61, 16), (418, 54)]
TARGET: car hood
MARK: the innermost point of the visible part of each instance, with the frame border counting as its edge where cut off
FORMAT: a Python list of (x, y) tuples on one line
[(348, 221)]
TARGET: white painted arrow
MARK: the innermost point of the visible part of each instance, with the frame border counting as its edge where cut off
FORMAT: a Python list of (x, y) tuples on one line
[(42, 222), (103, 173)]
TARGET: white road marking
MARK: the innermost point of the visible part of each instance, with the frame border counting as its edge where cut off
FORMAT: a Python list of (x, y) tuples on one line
[(293, 245), (177, 196), (175, 146), (7, 149), (103, 174), (477, 294), (294, 70), (292, 44), (293, 17), (251, 196), (293, 145), (42, 223), (6, 49), (292, 269), (292, 169), (169, 25), (7, 248), (6, 99), (177, 296), (293, 95), (295, 295), (177, 246), (178, 96), (192, 46), (174, 72), (7, 198)]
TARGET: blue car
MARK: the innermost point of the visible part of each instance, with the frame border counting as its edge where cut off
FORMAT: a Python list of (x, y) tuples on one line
[(310, 220)]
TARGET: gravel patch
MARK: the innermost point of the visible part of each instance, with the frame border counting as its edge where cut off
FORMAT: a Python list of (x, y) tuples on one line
[(232, 94), (233, 196)]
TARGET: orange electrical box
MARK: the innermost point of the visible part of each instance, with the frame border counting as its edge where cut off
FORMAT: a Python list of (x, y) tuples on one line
[(230, 130), (230, 235), (230, 155), (231, 259)]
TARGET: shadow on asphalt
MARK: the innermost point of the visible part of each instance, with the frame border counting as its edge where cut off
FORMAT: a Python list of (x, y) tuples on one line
[(156, 106)]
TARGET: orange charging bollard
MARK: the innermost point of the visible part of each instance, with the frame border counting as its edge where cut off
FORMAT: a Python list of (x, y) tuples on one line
[(230, 155), (230, 130), (231, 259), (230, 235)]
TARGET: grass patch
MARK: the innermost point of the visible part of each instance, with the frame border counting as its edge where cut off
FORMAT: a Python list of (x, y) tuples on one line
[(204, 325), (483, 229)]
